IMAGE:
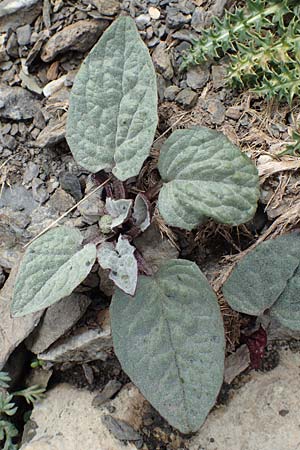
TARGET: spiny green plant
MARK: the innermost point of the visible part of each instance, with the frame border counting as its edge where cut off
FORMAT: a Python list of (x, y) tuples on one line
[(8, 431), (167, 328), (262, 40)]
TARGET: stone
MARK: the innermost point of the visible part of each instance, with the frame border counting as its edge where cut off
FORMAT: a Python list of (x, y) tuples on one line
[(18, 12), (121, 430), (80, 36), (24, 35), (54, 86), (187, 98), (236, 363), (107, 7), (71, 184), (198, 76), (107, 286), (66, 420), (171, 92), (219, 76), (217, 111), (92, 209), (58, 319), (142, 21), (176, 19), (262, 414), (31, 171), (233, 112), (198, 19), (154, 13), (13, 330), (19, 104), (155, 247), (162, 61), (110, 389), (12, 46), (39, 191), (84, 346), (53, 133), (61, 201)]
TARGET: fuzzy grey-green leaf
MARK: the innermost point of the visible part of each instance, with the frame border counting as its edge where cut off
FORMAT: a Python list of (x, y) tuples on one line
[(169, 339), (205, 176), (113, 104), (52, 267), (268, 277)]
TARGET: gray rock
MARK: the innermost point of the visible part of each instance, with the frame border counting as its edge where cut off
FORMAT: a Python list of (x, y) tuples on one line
[(92, 209), (262, 414), (176, 19), (142, 21), (219, 76), (80, 36), (54, 86), (41, 217), (12, 46), (107, 7), (24, 34), (66, 420), (39, 191), (54, 133), (19, 104), (13, 330), (236, 363), (171, 92), (110, 389), (216, 110), (61, 201), (187, 98), (162, 61), (31, 171), (70, 183), (18, 12), (154, 247), (185, 35), (58, 319), (84, 346), (19, 198), (233, 112), (198, 76), (198, 19), (121, 430)]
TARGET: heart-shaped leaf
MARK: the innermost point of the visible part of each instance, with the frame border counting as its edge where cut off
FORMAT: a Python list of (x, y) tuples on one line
[(52, 267), (113, 104), (268, 277), (121, 261), (141, 212), (205, 176), (169, 339), (118, 210)]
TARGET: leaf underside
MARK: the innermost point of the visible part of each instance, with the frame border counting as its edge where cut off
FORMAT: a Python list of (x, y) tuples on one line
[(52, 267), (268, 278), (205, 176), (113, 104), (169, 339)]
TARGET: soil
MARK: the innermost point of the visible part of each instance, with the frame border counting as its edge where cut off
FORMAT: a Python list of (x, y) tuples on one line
[(34, 153)]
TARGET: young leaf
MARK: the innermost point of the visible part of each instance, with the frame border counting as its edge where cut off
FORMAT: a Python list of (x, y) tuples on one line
[(141, 212), (52, 267), (267, 275), (169, 339), (121, 261), (205, 176), (118, 210), (112, 116)]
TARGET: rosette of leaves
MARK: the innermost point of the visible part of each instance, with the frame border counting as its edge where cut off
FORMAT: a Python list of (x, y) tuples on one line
[(268, 280), (8, 431), (167, 328), (262, 40)]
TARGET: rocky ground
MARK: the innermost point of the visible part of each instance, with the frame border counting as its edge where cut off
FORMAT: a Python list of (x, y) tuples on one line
[(42, 44)]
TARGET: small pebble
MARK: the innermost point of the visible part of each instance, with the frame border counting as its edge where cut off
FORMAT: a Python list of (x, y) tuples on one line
[(154, 13)]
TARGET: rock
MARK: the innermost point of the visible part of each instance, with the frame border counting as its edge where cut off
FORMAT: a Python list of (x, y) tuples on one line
[(198, 19), (61, 201), (24, 35), (84, 346), (154, 13), (261, 414), (58, 319), (54, 86), (236, 363), (39, 191), (162, 61), (12, 46), (142, 21), (18, 12), (198, 76), (122, 431), (110, 389), (19, 104), (80, 36), (185, 35), (171, 92), (154, 247), (233, 112), (31, 171), (107, 7), (107, 286), (217, 111), (70, 183), (176, 19), (187, 98), (54, 132), (66, 420), (13, 330), (41, 217), (92, 209), (219, 76), (19, 197)]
